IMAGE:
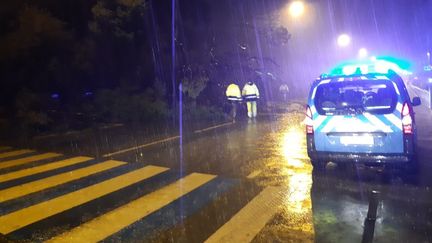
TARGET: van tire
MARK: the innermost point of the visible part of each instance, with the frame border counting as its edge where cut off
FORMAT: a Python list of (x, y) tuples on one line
[(343, 166), (319, 165), (413, 165)]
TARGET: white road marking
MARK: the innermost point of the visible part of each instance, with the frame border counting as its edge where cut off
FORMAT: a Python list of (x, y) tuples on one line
[(68, 133), (57, 134), (141, 146), (162, 141), (112, 126), (213, 127)]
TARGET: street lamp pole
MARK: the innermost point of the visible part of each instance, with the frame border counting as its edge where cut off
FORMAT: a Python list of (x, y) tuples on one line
[(429, 79), (429, 58)]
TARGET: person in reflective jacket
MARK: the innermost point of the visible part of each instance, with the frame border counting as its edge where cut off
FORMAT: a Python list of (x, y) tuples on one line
[(233, 95), (250, 94)]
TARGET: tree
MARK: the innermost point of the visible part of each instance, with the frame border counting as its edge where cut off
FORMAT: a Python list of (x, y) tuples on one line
[(233, 41), (35, 28), (194, 84), (118, 27), (117, 17), (34, 53)]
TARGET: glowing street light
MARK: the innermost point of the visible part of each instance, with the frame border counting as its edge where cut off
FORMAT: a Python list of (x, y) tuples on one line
[(343, 40), (296, 8), (362, 53)]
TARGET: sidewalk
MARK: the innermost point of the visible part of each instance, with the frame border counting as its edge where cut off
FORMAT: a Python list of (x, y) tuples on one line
[(98, 141), (281, 107)]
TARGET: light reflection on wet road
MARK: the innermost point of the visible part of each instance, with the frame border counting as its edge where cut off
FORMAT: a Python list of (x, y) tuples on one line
[(322, 207), (288, 166)]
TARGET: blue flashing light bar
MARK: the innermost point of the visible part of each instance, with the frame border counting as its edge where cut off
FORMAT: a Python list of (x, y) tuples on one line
[(376, 65)]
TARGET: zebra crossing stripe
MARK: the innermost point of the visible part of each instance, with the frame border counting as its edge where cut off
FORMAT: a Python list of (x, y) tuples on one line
[(112, 222), (14, 153), (52, 181), (16, 162), (21, 218), (249, 221), (43, 168)]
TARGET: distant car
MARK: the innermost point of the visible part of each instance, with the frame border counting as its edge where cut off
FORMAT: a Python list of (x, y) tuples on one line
[(361, 118)]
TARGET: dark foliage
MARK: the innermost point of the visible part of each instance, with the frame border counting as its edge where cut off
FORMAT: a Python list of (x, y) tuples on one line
[(111, 59)]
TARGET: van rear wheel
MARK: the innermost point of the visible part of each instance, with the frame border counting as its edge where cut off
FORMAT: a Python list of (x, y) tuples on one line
[(413, 165), (319, 165)]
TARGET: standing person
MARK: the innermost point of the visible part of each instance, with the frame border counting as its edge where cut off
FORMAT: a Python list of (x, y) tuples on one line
[(284, 90), (233, 95), (250, 94)]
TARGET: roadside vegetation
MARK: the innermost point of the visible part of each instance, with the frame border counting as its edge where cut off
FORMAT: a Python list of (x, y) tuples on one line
[(76, 63)]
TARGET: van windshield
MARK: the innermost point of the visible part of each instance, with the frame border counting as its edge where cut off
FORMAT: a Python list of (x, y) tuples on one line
[(356, 97)]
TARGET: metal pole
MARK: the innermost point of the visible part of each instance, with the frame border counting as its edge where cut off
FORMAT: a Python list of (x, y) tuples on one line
[(430, 94), (369, 224), (429, 58), (173, 57), (373, 205)]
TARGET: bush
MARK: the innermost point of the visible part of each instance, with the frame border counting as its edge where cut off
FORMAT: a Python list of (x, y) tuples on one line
[(197, 112), (122, 106), (31, 111)]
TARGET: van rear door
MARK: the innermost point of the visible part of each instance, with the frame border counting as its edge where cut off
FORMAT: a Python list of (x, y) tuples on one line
[(358, 116)]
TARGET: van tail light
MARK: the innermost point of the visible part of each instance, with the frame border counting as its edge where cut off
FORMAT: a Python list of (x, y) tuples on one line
[(407, 120), (309, 121)]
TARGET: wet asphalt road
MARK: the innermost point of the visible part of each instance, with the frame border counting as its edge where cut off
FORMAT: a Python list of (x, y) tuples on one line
[(250, 158), (327, 207)]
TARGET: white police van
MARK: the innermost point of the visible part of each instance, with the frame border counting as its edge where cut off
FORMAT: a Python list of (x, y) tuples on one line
[(361, 118)]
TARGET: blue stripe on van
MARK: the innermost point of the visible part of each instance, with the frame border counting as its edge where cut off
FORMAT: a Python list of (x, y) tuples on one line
[(388, 122), (322, 125)]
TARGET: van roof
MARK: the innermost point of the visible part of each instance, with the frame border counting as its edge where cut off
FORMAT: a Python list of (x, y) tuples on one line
[(391, 75)]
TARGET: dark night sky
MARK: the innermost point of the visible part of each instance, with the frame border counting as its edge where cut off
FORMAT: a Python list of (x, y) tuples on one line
[(399, 28)]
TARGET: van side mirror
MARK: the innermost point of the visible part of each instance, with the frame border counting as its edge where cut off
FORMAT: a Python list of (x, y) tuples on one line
[(416, 101)]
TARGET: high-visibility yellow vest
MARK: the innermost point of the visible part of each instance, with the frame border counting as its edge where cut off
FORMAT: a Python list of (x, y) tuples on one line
[(250, 92), (233, 92)]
